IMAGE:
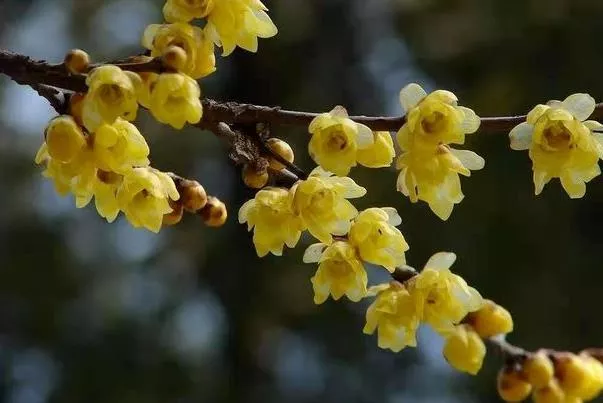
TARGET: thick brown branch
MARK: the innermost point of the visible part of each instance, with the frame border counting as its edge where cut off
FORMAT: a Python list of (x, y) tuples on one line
[(25, 70)]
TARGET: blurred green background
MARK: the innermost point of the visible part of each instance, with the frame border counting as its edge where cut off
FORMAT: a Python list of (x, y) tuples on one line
[(92, 312)]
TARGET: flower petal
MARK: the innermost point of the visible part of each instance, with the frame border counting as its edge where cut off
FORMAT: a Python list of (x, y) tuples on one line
[(521, 136), (313, 253), (393, 216), (364, 136), (441, 260), (411, 95), (471, 122), (580, 105), (469, 159)]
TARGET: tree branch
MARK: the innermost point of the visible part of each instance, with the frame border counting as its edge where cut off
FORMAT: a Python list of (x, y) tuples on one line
[(24, 70)]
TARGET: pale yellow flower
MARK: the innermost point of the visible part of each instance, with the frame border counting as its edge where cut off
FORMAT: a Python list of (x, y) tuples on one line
[(561, 143), (464, 349), (377, 239), (64, 138), (336, 140), (340, 271), (186, 10), (321, 203), (119, 147), (174, 100), (199, 49), (270, 215)]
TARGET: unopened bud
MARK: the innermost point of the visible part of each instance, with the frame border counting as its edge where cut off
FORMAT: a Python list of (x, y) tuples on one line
[(175, 216), (538, 369), (491, 319), (511, 386), (281, 148), (192, 195), (572, 373), (253, 178), (551, 393), (77, 61), (214, 213), (174, 57), (64, 138)]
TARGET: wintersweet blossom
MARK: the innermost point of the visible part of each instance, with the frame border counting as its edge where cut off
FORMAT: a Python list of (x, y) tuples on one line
[(233, 23), (336, 140), (395, 315), (432, 175), (174, 100), (200, 59), (562, 143), (464, 349), (112, 93), (321, 203), (433, 119), (340, 271), (186, 10), (377, 239), (448, 298), (119, 146), (270, 215)]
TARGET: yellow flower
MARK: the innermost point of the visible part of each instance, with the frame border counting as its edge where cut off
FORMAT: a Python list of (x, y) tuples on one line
[(561, 143), (380, 154), (174, 100), (186, 10), (199, 49), (339, 273), (65, 138), (448, 298), (112, 93), (464, 349), (105, 190), (234, 23), (378, 241), (120, 146), (434, 119), (144, 197), (433, 176), (395, 314), (320, 202), (551, 393), (512, 386), (274, 222), (538, 369), (336, 140), (579, 376), (490, 320)]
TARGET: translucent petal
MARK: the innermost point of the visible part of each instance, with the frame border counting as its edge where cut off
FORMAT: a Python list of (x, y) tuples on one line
[(521, 136), (593, 125), (313, 253), (469, 159), (575, 189), (339, 112), (441, 261), (321, 122), (536, 113), (471, 121), (580, 105), (411, 95), (364, 136), (149, 35), (394, 217)]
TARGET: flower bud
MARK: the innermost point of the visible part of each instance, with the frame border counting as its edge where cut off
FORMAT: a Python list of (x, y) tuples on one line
[(551, 393), (465, 350), (491, 319), (192, 195), (253, 178), (174, 57), (77, 61), (175, 216), (214, 213), (538, 369), (511, 386), (281, 148), (64, 138), (573, 373)]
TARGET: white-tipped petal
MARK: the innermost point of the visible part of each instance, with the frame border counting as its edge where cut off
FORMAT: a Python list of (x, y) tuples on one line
[(393, 216), (364, 136), (441, 260), (313, 253), (469, 159), (580, 105), (471, 122), (411, 95), (521, 136)]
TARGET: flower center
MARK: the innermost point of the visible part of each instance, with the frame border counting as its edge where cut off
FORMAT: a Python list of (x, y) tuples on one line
[(111, 93), (337, 141), (433, 123), (557, 136)]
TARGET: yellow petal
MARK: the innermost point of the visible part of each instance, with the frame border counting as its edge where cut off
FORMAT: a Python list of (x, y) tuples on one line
[(580, 105), (411, 95), (521, 136)]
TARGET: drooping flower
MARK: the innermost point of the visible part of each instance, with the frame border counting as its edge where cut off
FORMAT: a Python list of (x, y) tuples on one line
[(561, 143), (377, 239), (432, 175), (233, 23), (144, 197), (434, 119), (321, 203), (270, 215), (340, 271), (380, 154), (395, 315), (112, 93), (464, 349), (64, 138), (448, 298), (336, 140), (186, 10), (199, 50), (174, 100)]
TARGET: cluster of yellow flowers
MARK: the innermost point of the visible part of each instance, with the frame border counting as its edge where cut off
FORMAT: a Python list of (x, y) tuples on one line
[(552, 377), (562, 143)]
